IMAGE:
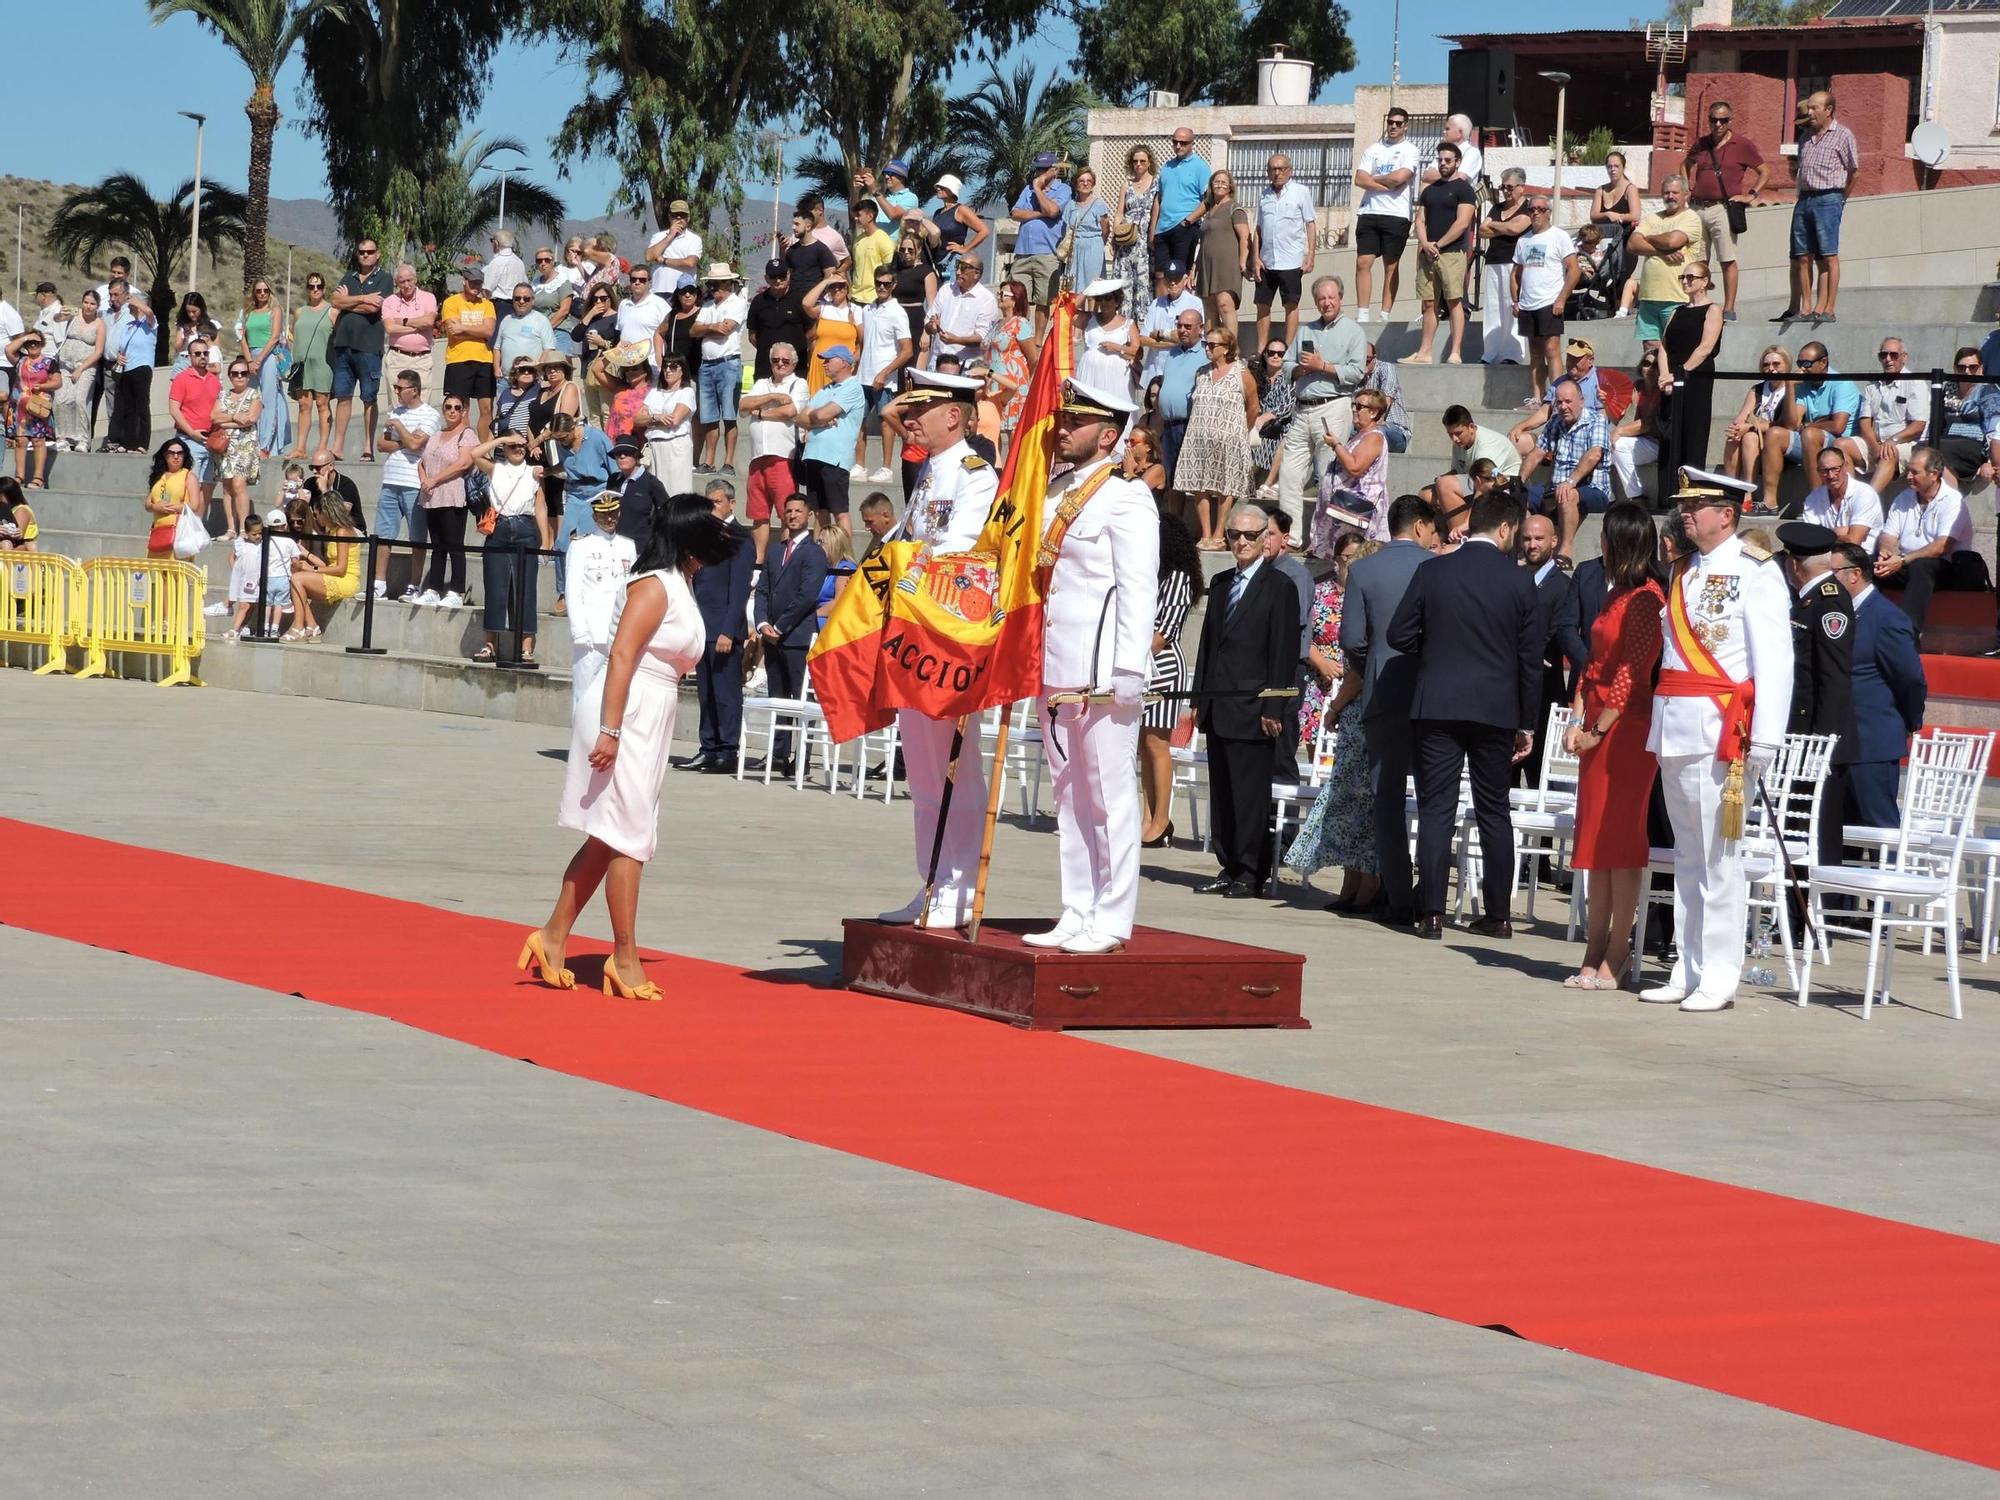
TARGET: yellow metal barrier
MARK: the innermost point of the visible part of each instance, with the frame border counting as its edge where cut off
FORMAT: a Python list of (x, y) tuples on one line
[(147, 605), (41, 604)]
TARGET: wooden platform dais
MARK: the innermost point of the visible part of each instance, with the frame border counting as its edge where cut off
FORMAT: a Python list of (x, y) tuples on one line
[(1160, 978)]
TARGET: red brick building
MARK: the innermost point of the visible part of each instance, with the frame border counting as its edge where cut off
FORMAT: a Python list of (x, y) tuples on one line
[(1874, 68)]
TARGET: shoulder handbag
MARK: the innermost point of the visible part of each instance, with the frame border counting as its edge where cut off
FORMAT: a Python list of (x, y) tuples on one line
[(217, 440), (1737, 213)]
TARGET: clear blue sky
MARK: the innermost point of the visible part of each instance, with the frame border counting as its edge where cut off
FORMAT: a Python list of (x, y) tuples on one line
[(184, 67)]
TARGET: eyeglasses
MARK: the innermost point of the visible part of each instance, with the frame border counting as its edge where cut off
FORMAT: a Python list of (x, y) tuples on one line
[(1395, 122), (1214, 344), (1971, 369), (1889, 354), (239, 374), (368, 252), (524, 299), (454, 406), (1772, 364), (1693, 276), (1718, 119), (1244, 536), (1274, 354), (1806, 362), (528, 370), (637, 280), (1829, 471), (545, 260)]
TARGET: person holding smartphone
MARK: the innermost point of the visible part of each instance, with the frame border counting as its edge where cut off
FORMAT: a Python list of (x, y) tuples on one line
[(1326, 365)]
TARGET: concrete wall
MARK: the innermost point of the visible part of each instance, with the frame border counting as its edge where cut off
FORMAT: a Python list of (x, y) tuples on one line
[(1964, 73)]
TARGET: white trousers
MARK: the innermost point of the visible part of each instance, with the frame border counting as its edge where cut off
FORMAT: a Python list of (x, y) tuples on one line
[(1305, 450), (1711, 906), (1627, 454), (1093, 752), (1500, 337), (586, 682), (926, 752)]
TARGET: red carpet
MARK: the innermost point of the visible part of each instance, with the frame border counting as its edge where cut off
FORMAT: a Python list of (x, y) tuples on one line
[(1874, 1325)]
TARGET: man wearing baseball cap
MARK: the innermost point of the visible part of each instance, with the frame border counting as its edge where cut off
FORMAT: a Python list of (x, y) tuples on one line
[(832, 425), (676, 250), (1039, 212)]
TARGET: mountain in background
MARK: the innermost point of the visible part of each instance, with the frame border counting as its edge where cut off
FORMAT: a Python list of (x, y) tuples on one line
[(309, 223)]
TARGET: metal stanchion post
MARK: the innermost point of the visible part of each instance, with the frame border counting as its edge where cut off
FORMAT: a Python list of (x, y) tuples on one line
[(262, 632), (368, 646)]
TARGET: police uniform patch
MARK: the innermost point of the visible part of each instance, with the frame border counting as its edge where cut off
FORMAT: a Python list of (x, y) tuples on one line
[(1830, 590), (1833, 623)]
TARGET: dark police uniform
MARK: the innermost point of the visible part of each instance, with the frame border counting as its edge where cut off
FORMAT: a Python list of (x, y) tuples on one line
[(1823, 675)]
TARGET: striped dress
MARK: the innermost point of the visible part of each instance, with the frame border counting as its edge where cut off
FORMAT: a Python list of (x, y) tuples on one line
[(1169, 675)]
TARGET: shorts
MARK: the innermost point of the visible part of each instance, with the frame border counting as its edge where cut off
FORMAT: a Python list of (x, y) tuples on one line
[(1652, 318), (771, 484), (352, 369), (1816, 223), (1286, 284), (469, 380), (720, 387), (278, 590), (1715, 219), (871, 417), (394, 503), (1592, 500), (205, 462), (1041, 275), (1538, 322), (1383, 235), (1441, 277), (826, 484)]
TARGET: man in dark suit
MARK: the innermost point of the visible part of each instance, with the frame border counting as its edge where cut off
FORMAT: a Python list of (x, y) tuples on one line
[(1563, 655), (1889, 694), (1580, 609), (1249, 645), (1822, 665), (724, 596), (788, 611), (1375, 586), (1472, 621)]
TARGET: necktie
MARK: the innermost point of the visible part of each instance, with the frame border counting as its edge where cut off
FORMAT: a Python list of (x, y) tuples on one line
[(1236, 589), (790, 547)]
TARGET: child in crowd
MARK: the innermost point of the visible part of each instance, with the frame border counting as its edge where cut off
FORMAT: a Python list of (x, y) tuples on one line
[(278, 571), (247, 550)]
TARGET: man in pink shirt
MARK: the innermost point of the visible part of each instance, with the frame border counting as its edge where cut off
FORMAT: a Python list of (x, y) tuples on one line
[(409, 327), (191, 404)]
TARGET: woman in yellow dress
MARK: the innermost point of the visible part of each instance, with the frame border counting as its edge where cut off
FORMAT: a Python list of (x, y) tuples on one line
[(17, 520), (329, 579), (835, 320), (168, 495)]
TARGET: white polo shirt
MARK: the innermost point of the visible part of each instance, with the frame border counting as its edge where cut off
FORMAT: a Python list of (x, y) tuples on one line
[(1916, 526), (663, 245), (884, 325), (1860, 506), (639, 320)]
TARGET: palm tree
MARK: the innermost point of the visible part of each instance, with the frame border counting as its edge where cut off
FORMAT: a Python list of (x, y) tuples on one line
[(122, 211), (1001, 128), (828, 176), (452, 210), (263, 34)]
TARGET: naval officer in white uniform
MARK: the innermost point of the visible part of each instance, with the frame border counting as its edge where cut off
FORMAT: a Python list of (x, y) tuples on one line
[(1735, 610), (946, 514), (1101, 544)]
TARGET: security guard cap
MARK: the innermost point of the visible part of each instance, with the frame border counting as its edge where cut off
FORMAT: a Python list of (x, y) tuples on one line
[(1807, 539)]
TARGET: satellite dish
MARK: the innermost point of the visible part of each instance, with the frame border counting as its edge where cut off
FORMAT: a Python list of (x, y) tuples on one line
[(1930, 143)]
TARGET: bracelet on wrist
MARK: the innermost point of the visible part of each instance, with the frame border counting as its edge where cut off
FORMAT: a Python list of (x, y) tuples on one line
[(610, 731)]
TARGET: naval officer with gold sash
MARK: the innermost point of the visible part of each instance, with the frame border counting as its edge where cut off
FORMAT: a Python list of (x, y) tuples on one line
[(1719, 717), (946, 513), (1100, 556)]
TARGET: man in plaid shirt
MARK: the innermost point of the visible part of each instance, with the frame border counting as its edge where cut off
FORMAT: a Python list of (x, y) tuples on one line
[(1829, 156), (1573, 443)]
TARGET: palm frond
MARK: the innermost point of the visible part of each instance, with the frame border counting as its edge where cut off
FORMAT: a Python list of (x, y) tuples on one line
[(1004, 124)]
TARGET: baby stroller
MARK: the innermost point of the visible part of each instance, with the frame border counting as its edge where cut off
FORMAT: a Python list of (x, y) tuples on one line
[(1605, 267)]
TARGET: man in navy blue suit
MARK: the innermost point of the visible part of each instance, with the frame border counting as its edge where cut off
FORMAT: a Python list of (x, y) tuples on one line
[(788, 611), (724, 596), (1889, 693), (1473, 622)]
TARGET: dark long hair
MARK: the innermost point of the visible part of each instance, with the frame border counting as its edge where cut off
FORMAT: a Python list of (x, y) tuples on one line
[(1178, 555), (11, 495), (685, 528), (1631, 545), (160, 459)]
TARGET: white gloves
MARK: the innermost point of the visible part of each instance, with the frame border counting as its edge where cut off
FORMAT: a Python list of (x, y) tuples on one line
[(1128, 689), (1756, 765)]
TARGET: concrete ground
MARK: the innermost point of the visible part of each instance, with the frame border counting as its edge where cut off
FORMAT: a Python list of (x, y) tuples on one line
[(254, 1246)]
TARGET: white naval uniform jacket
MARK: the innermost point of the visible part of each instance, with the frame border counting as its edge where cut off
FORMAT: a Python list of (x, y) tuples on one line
[(598, 567), (1742, 607), (1104, 588), (951, 503)]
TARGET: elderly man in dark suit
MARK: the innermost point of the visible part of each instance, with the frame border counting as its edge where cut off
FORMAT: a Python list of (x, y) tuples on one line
[(1249, 646), (724, 596), (1472, 621), (1889, 694), (1375, 586), (788, 611)]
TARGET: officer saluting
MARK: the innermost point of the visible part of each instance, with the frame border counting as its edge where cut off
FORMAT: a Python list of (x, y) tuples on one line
[(1101, 555), (1823, 665), (946, 514), (1719, 716)]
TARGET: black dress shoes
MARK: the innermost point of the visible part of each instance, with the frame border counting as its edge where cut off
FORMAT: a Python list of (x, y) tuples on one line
[(1240, 890), (1220, 886), (687, 762), (1493, 927), (718, 765), (1430, 927)]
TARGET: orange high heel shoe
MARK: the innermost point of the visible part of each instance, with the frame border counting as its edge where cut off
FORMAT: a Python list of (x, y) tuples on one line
[(532, 951), (613, 985)]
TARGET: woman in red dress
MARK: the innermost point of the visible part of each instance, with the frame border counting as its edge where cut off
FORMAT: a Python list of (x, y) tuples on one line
[(1614, 711)]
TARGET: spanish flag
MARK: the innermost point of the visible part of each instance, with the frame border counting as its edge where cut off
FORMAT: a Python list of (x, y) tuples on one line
[(951, 635)]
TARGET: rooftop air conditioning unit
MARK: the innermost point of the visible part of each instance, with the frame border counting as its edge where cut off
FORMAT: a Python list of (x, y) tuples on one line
[(1162, 99)]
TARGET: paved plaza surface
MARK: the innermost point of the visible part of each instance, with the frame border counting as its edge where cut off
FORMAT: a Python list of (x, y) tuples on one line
[(255, 1246)]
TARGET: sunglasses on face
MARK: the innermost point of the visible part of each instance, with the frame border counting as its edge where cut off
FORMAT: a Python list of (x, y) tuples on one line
[(454, 406), (1213, 344), (545, 260), (1807, 364), (1718, 119), (524, 299), (1967, 369), (1772, 365), (239, 374), (1890, 354), (1244, 536)]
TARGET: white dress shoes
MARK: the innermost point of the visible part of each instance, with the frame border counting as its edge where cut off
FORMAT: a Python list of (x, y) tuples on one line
[(1699, 1001), (1090, 940), (1071, 925), (906, 914), (1659, 994)]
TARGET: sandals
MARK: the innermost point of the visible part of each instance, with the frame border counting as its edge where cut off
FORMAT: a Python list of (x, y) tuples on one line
[(294, 634), (484, 654), (1590, 982)]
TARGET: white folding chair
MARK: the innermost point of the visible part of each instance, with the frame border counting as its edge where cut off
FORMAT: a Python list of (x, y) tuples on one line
[(1288, 797), (1916, 884), (1777, 851), (802, 717), (1190, 781), (1544, 815)]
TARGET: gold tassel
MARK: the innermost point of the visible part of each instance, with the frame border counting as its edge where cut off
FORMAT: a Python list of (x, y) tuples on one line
[(1732, 801)]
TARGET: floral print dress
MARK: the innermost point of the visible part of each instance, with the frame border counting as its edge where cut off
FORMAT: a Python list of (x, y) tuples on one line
[(27, 425), (239, 459), (1134, 265), (1006, 357), (1340, 829)]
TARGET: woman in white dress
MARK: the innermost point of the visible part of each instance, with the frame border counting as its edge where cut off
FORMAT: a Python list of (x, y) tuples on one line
[(1108, 341), (619, 743)]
